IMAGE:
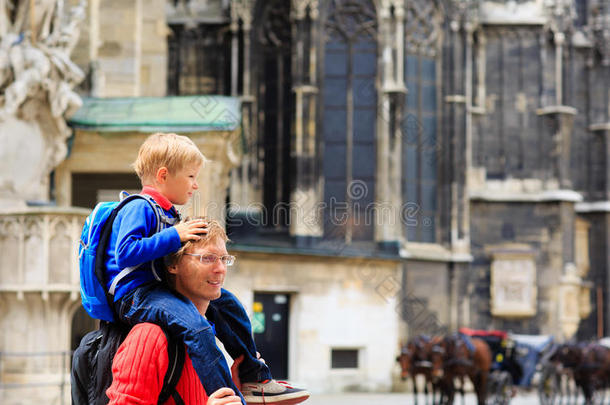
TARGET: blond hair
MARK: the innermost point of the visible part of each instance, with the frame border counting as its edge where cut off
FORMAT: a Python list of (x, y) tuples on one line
[(172, 151), (215, 231)]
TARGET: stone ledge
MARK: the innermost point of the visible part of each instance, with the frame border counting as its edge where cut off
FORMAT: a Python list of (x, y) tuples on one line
[(395, 89), (557, 109), (593, 206), (455, 98), (45, 210), (512, 13), (39, 288), (432, 252), (542, 196), (477, 110), (600, 126), (306, 89)]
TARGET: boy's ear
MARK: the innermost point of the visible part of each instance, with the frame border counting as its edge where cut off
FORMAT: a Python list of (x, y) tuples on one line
[(161, 175)]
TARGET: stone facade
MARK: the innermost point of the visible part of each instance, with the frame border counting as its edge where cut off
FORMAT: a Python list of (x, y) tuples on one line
[(414, 166)]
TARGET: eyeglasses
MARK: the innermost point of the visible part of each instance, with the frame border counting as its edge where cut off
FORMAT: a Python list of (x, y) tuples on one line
[(211, 258)]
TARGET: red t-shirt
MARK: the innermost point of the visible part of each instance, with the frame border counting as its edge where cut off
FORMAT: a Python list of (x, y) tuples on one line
[(140, 365)]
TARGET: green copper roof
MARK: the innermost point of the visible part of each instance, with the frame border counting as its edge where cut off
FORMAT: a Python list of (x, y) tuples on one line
[(155, 114)]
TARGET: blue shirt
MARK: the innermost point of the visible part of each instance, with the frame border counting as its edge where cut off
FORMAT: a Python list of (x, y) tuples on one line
[(132, 244)]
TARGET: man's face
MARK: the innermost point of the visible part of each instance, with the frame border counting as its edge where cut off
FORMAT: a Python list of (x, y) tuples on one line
[(181, 185), (200, 281)]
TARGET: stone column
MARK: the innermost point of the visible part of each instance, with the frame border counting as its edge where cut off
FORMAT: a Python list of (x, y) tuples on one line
[(39, 293), (457, 104), (388, 226), (307, 191)]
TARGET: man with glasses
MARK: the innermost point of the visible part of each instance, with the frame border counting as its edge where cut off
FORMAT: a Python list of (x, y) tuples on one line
[(196, 274)]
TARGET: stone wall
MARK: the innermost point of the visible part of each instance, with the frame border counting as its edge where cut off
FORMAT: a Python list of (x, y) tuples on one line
[(545, 230), (123, 48), (335, 303)]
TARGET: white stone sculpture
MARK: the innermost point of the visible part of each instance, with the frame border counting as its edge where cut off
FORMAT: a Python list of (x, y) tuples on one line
[(37, 79)]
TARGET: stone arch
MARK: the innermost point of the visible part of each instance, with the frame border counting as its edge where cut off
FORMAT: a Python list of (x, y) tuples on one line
[(80, 324)]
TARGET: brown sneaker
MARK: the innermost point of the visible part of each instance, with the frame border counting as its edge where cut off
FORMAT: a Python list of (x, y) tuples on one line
[(273, 392)]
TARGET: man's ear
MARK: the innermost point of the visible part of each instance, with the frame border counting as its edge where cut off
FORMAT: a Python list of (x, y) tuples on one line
[(161, 175), (172, 269)]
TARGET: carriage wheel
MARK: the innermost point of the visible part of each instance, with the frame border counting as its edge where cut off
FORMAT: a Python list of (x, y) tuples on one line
[(500, 388), (549, 386)]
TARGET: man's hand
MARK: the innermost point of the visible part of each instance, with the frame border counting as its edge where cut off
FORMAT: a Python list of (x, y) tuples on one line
[(191, 230), (224, 396)]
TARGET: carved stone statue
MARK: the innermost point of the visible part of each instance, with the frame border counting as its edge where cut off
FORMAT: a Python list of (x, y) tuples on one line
[(37, 79)]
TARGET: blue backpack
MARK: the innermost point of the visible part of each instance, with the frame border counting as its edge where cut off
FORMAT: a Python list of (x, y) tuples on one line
[(97, 300)]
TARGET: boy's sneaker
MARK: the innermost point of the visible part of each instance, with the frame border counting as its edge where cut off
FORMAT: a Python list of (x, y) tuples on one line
[(273, 392)]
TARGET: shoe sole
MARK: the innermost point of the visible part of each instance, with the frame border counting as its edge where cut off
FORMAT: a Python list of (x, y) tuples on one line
[(287, 399)]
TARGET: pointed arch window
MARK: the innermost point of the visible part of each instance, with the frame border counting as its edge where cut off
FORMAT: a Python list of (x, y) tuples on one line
[(273, 78), (420, 123), (349, 113)]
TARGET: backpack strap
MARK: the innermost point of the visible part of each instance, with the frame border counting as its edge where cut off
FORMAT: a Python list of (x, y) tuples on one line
[(176, 354), (160, 219)]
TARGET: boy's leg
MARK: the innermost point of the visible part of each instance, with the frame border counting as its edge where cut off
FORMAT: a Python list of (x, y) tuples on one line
[(179, 316), (234, 330)]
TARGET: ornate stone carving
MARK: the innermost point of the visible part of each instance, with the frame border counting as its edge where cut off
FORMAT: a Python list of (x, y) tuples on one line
[(274, 29), (349, 20), (300, 8), (422, 27), (36, 79), (242, 10), (43, 243), (463, 13), (600, 27), (560, 14), (513, 284)]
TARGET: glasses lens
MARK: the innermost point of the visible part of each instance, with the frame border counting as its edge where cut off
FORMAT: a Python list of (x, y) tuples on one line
[(208, 259), (228, 260)]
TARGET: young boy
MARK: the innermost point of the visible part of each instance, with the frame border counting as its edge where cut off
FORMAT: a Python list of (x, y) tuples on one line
[(168, 166)]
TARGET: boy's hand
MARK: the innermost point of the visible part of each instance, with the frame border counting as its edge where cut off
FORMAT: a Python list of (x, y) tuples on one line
[(191, 230), (224, 396)]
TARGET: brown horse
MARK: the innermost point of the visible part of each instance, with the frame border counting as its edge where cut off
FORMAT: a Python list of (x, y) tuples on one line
[(461, 356), (414, 360), (588, 364)]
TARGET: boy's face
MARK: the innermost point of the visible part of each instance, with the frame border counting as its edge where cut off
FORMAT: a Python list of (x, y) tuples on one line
[(180, 186)]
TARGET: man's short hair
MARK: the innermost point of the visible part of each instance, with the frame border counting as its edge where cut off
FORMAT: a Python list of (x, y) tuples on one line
[(165, 150), (215, 231)]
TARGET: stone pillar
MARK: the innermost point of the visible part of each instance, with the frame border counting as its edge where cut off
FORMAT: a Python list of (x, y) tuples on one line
[(388, 226), (569, 292), (458, 118), (307, 189), (39, 293)]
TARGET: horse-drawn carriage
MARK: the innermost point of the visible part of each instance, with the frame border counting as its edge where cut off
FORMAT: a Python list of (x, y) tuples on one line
[(516, 360), (496, 362)]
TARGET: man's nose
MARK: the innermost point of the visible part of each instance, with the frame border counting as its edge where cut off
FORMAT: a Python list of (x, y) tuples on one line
[(219, 266)]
